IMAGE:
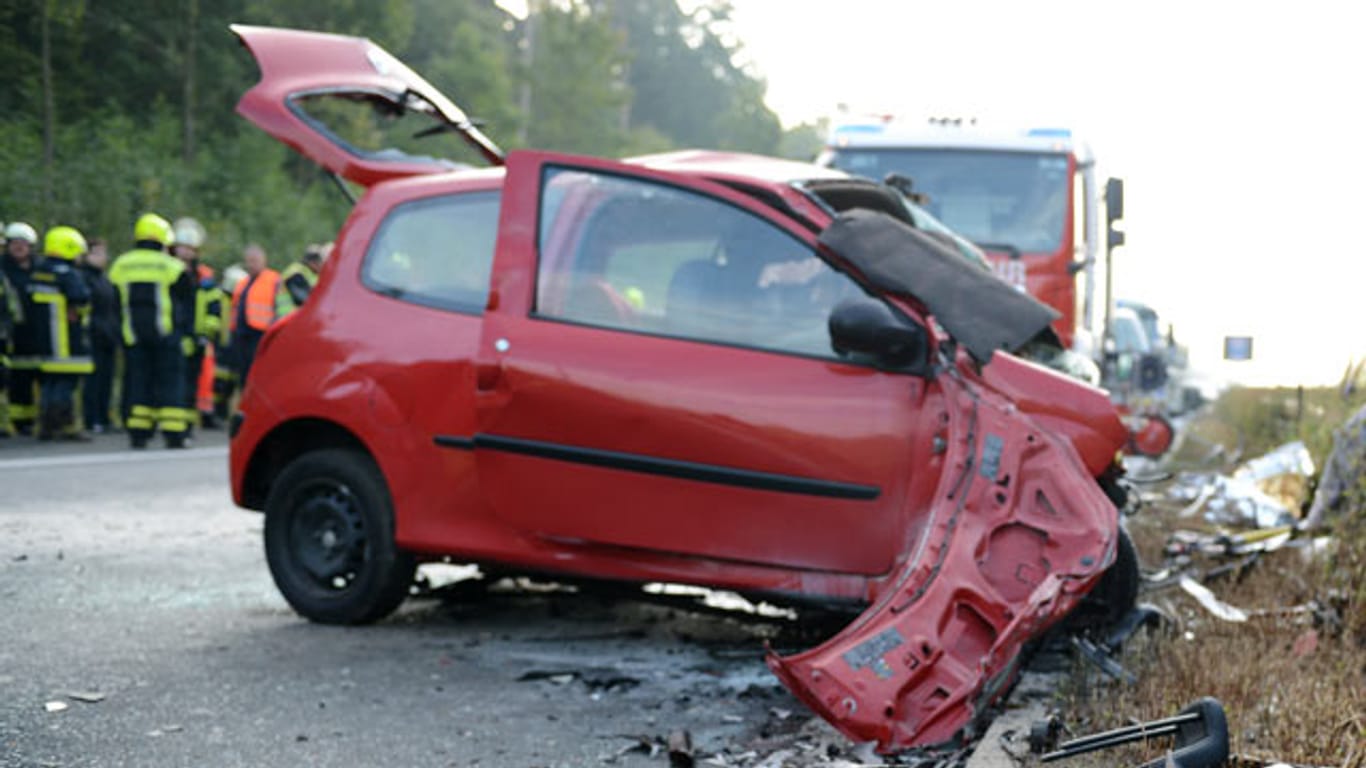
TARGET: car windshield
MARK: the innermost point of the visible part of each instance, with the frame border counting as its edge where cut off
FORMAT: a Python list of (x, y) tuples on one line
[(993, 198)]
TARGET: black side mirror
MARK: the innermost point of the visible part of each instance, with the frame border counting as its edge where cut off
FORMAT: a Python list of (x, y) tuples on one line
[(867, 328), (1114, 199)]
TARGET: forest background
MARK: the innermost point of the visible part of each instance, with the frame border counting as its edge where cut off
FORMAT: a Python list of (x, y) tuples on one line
[(110, 109)]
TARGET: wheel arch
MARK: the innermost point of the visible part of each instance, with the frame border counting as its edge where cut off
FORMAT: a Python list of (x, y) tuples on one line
[(285, 443)]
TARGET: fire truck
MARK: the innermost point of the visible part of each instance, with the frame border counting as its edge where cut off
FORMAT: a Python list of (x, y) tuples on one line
[(1029, 198)]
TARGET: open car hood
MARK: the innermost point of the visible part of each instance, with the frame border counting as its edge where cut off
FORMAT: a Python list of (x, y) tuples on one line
[(977, 308), (296, 65)]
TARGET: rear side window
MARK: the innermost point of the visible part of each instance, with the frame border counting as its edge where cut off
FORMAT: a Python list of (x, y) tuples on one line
[(436, 252)]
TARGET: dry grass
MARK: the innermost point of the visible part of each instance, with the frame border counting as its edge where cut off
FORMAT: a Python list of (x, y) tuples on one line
[(1300, 707)]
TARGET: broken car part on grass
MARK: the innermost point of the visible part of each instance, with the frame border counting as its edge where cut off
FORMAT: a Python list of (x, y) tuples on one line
[(685, 368)]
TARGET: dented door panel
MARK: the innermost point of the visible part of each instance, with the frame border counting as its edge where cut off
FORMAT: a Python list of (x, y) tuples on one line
[(1017, 534)]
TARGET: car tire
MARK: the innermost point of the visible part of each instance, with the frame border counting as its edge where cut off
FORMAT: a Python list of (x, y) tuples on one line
[(1117, 591), (329, 539)]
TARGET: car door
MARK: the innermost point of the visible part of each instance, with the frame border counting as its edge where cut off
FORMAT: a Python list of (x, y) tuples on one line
[(654, 372)]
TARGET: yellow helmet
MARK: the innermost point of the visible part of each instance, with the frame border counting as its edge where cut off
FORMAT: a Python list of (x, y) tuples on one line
[(64, 243), (154, 228)]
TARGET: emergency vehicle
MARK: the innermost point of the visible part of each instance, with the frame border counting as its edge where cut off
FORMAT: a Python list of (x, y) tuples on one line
[(1029, 198)]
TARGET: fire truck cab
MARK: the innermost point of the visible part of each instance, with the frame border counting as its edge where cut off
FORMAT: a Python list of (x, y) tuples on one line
[(1029, 198)]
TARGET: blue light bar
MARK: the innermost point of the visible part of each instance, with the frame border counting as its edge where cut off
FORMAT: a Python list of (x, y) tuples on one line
[(1050, 133)]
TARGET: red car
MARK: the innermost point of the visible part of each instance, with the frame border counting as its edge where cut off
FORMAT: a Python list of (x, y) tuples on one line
[(702, 368)]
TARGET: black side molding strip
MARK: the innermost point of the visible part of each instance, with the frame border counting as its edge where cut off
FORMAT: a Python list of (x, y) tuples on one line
[(652, 465)]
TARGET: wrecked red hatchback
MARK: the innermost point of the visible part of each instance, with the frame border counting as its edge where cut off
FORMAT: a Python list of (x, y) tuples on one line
[(701, 368)]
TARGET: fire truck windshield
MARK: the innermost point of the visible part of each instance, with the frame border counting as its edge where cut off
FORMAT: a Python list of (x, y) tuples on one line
[(991, 197)]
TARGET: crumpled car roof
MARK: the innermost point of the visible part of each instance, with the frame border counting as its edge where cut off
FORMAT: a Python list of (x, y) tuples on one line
[(981, 311)]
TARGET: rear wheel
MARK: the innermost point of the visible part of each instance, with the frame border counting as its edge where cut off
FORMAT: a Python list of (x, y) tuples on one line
[(329, 539)]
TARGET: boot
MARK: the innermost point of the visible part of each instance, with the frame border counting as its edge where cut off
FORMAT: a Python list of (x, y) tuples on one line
[(68, 429), (46, 421)]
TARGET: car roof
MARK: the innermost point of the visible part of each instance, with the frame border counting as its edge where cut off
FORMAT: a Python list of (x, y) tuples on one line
[(738, 165)]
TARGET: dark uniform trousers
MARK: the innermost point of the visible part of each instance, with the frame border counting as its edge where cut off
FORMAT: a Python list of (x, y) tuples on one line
[(155, 376), (23, 398)]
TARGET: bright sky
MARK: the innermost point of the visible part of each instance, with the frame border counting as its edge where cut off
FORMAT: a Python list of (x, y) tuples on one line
[(1238, 127)]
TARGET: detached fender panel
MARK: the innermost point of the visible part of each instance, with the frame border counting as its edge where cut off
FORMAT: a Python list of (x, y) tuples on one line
[(1019, 531)]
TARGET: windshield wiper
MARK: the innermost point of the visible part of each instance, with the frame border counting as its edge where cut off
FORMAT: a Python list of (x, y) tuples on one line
[(1007, 248), (433, 130)]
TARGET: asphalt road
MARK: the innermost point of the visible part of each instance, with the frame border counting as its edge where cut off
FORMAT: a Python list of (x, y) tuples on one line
[(139, 626)]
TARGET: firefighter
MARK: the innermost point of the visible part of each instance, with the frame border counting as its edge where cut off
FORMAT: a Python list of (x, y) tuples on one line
[(23, 374), (106, 338), (157, 294), (225, 360), (11, 310), (208, 312), (298, 279), (253, 308), (56, 303)]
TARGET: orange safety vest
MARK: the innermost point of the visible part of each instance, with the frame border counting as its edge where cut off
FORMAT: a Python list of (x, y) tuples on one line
[(260, 299)]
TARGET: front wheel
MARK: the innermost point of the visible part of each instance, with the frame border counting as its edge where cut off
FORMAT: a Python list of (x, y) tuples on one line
[(329, 539), (1117, 591)]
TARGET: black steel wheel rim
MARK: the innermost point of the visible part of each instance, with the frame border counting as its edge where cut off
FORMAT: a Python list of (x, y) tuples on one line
[(326, 535)]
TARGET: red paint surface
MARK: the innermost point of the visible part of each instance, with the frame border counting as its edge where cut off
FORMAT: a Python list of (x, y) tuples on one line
[(962, 565)]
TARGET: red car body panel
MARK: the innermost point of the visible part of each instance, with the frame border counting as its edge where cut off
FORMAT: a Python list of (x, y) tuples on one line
[(963, 506)]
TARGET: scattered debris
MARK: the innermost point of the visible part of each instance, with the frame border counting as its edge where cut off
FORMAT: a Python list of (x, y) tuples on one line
[(680, 750), (1209, 602), (1305, 644), (1283, 473), (1265, 492), (597, 680), (56, 706), (86, 697), (1201, 732), (1102, 660), (165, 729)]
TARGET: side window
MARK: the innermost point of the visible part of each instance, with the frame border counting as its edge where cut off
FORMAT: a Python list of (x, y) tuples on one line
[(640, 256), (437, 252)]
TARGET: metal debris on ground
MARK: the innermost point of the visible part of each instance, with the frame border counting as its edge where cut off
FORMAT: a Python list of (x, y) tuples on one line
[(1265, 492), (55, 706), (1200, 731), (1209, 602), (680, 750)]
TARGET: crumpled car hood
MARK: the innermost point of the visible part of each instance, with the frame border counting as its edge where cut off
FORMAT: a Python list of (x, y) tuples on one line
[(1016, 535), (974, 306)]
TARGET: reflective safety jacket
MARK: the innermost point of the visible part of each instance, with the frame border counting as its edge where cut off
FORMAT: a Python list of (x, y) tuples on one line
[(253, 300), (296, 282), (208, 308), (56, 304), (20, 342), (157, 294)]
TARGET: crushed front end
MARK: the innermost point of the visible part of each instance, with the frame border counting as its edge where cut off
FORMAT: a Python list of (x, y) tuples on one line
[(1016, 535)]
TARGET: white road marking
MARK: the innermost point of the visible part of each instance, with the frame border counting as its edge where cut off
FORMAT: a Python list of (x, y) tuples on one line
[(122, 457)]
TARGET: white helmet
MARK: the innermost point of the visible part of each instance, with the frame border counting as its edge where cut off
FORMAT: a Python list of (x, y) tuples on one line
[(20, 231), (233, 275), (188, 232)]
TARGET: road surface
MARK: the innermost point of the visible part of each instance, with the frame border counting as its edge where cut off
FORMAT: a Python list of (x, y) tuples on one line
[(140, 627)]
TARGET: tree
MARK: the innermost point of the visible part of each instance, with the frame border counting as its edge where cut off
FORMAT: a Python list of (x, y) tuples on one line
[(575, 80)]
